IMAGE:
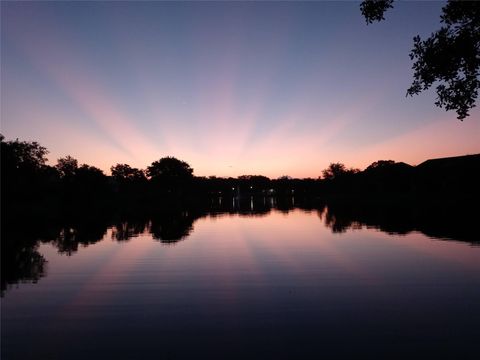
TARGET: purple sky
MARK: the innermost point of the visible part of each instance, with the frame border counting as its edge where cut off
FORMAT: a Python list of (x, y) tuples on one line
[(232, 88)]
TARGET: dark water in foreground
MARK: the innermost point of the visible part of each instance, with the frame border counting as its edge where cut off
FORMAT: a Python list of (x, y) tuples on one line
[(293, 284)]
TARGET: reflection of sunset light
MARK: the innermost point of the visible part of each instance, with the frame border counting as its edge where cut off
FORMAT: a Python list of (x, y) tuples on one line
[(444, 250), (261, 237), (228, 253), (123, 258)]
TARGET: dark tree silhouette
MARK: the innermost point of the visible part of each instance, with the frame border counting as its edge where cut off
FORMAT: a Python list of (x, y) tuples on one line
[(337, 170), (170, 168), (374, 10), (130, 183), (22, 156), (89, 174), (380, 164), (449, 58), (333, 171), (253, 183), (23, 172), (124, 173), (90, 183), (386, 176), (67, 166)]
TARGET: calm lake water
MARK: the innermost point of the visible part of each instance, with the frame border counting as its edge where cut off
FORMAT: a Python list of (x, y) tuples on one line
[(276, 284)]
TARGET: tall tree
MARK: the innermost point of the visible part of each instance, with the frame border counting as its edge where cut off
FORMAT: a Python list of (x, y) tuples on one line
[(449, 58)]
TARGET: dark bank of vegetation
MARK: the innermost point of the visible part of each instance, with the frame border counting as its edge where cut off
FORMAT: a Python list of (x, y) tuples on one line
[(70, 205), (30, 186), (21, 260)]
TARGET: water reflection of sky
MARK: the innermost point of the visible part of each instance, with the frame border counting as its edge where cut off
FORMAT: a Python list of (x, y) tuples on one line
[(236, 280)]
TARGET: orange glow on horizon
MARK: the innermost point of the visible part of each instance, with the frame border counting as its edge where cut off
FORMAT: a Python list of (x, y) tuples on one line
[(220, 133)]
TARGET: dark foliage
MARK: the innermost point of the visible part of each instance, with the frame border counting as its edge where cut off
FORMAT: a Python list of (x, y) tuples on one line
[(373, 10), (173, 226), (22, 159), (71, 206), (29, 186), (449, 58), (387, 176), (337, 171), (21, 262), (169, 168), (67, 167), (125, 174), (24, 175)]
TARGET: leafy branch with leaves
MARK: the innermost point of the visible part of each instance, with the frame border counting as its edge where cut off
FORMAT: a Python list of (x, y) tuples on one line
[(449, 58)]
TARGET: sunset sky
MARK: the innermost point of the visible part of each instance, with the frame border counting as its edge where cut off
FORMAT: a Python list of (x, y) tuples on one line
[(231, 88)]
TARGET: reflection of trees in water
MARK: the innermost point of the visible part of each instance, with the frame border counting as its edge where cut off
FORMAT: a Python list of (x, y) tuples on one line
[(389, 218), (22, 262), (339, 224), (125, 230), (393, 217), (170, 228), (20, 259), (243, 205), (432, 218), (86, 233)]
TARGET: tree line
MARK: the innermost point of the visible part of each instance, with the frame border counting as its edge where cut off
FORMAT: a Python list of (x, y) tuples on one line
[(27, 179)]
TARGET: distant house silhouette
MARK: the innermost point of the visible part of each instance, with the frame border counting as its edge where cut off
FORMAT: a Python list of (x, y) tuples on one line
[(454, 174)]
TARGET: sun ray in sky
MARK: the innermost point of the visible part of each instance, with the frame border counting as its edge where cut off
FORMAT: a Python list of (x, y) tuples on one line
[(230, 88)]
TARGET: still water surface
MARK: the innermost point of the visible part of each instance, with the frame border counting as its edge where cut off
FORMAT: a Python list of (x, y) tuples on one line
[(280, 285)]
